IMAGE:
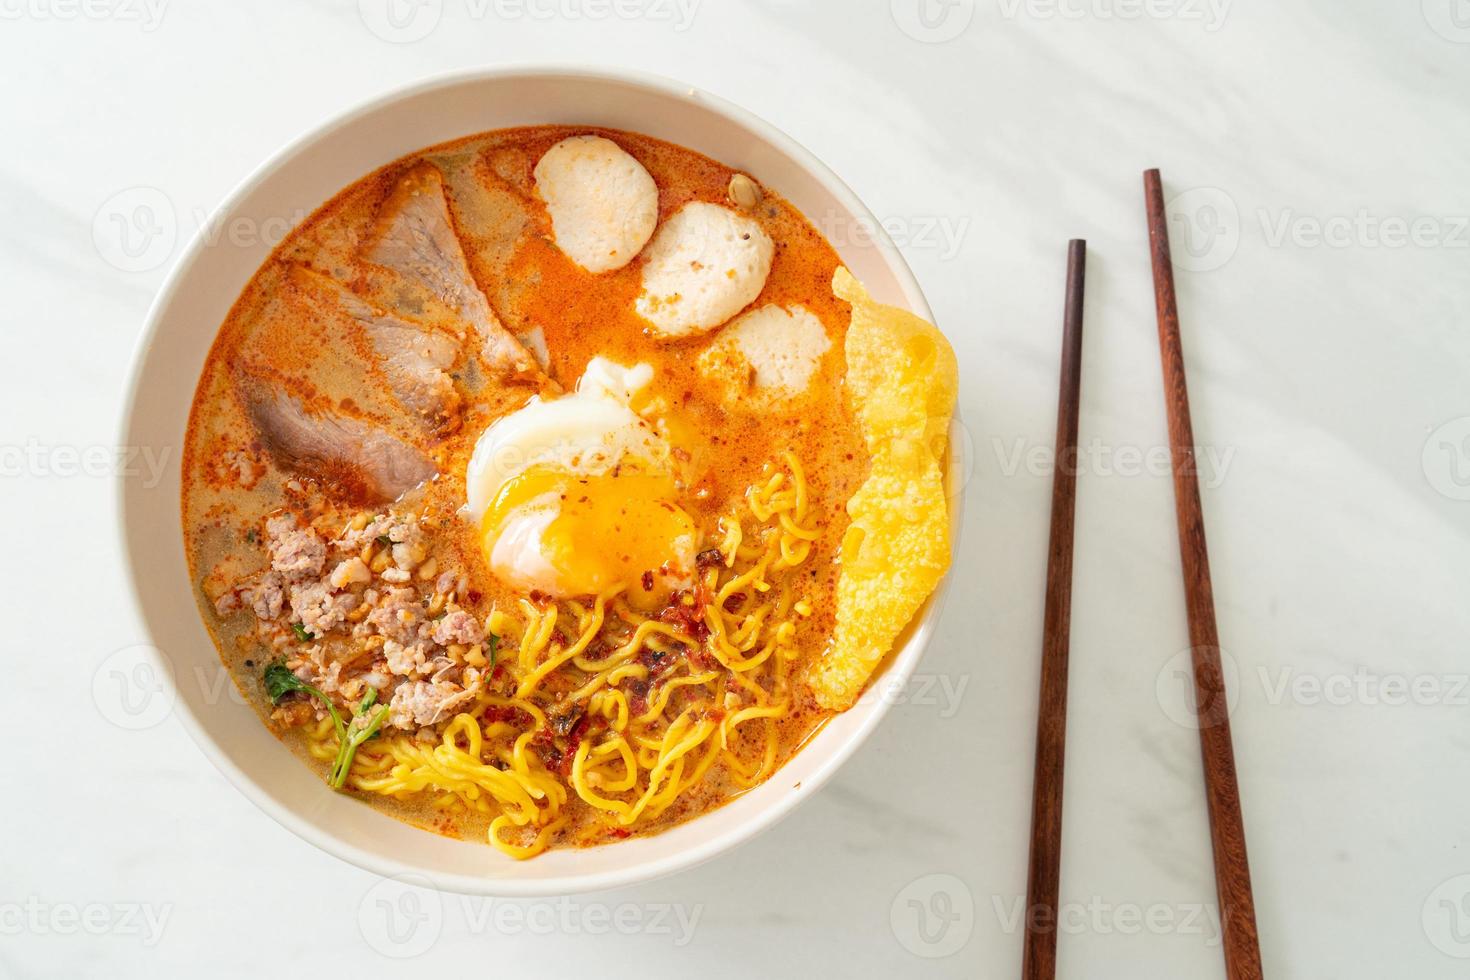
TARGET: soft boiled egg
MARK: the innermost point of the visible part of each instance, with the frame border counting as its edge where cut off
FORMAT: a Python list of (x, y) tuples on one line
[(577, 495)]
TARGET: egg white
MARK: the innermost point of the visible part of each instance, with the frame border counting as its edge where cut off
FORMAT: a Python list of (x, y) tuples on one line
[(585, 434)]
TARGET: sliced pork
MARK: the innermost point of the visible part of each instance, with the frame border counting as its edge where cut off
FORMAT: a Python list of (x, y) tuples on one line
[(414, 237), (414, 358), (367, 462)]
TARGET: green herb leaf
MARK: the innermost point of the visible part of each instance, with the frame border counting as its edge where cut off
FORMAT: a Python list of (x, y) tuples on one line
[(364, 725), (302, 633), (384, 540), (279, 682), (494, 649)]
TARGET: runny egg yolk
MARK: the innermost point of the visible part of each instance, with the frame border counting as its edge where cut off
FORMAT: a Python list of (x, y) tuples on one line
[(619, 528)]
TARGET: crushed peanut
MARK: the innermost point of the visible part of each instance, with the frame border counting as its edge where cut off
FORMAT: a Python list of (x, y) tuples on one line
[(744, 192)]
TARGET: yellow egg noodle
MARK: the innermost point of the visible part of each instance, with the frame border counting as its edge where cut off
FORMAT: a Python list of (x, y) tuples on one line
[(636, 760)]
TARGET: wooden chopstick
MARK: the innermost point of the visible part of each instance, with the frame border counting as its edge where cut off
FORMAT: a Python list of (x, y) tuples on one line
[(1227, 829), (1039, 961)]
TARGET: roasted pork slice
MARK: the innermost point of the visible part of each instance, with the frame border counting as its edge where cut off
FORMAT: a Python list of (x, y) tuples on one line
[(414, 358), (416, 364), (367, 463), (304, 343), (414, 237)]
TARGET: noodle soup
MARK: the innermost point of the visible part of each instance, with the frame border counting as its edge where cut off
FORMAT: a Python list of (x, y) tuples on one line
[(525, 489)]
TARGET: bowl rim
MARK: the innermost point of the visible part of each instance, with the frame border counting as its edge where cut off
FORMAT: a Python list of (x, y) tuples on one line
[(900, 669)]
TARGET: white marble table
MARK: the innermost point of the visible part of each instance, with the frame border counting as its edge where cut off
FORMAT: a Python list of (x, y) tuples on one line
[(1318, 154)]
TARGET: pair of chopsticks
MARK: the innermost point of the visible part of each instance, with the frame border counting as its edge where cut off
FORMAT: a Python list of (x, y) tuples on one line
[(1222, 795)]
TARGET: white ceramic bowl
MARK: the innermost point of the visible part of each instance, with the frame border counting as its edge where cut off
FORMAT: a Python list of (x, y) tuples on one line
[(182, 325)]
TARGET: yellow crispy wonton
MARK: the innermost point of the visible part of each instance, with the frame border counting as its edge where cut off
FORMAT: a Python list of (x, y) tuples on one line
[(902, 377)]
